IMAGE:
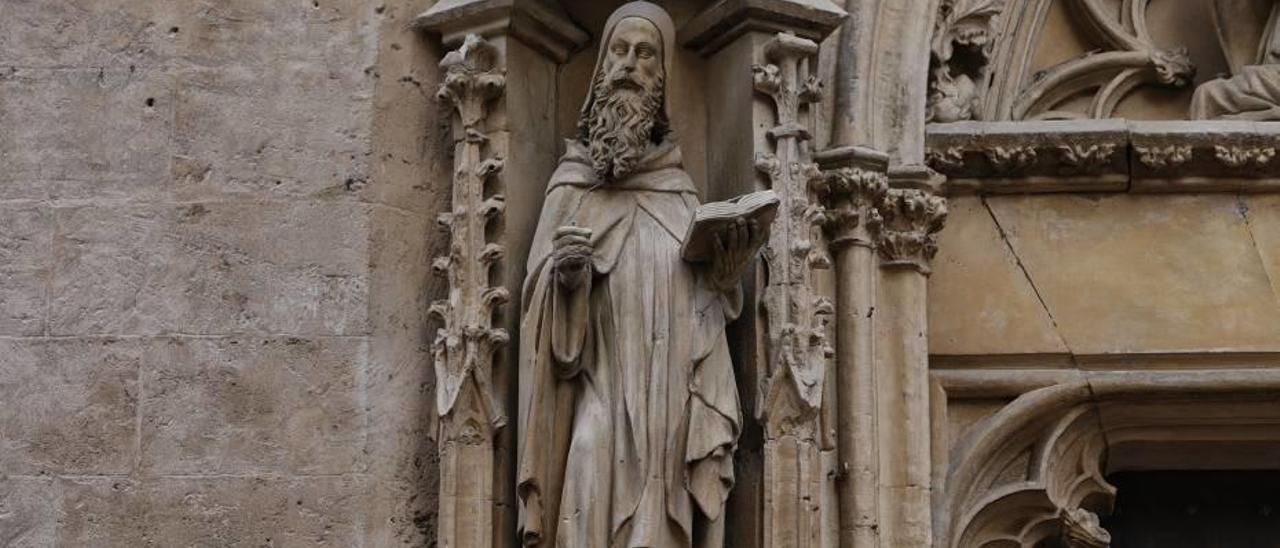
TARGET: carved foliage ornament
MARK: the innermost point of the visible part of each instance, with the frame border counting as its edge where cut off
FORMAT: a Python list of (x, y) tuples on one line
[(908, 235), (798, 318), (853, 195), (959, 54), (464, 348)]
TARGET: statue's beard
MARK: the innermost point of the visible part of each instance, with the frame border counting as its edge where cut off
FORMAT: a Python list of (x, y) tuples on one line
[(621, 123)]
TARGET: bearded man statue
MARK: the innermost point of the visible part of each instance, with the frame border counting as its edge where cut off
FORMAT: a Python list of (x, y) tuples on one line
[(629, 411)]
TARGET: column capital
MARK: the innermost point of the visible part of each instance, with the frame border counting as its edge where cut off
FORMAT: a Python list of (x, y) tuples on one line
[(541, 25), (907, 235), (855, 180), (725, 20)]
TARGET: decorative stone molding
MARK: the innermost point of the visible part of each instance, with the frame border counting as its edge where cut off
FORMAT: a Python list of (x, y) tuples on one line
[(960, 51), (1047, 483), (908, 234), (797, 317), (1089, 156), (1159, 158), (1034, 470), (725, 20), (1089, 159), (464, 348), (1009, 160), (541, 25), (1236, 157)]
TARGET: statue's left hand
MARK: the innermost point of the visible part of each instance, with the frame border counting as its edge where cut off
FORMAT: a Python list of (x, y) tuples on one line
[(734, 248)]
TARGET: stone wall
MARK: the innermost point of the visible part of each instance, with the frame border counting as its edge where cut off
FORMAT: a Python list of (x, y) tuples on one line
[(215, 220)]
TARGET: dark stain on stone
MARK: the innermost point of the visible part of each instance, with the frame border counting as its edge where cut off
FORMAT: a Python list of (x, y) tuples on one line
[(194, 211)]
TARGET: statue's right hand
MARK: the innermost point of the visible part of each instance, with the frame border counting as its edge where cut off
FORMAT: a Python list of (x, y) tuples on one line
[(571, 255)]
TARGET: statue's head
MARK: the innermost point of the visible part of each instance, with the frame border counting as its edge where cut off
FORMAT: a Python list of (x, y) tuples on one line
[(625, 111)]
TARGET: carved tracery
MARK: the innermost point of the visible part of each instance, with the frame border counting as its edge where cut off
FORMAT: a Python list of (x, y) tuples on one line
[(1043, 483), (1003, 40)]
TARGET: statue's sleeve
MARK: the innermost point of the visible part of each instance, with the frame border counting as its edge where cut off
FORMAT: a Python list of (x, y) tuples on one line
[(570, 315)]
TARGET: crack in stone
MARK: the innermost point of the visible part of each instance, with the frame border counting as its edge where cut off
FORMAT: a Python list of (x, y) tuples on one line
[(1004, 236), (1242, 208)]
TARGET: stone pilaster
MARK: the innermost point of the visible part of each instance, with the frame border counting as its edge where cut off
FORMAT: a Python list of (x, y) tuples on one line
[(764, 55), (501, 83), (907, 242)]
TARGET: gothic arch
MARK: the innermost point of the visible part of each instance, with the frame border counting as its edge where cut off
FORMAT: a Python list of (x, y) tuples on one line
[(1033, 474)]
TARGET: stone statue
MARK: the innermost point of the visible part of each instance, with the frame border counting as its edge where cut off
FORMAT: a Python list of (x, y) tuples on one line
[(1247, 30), (629, 411)]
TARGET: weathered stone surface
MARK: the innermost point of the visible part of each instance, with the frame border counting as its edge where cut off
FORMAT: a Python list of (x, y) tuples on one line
[(26, 234), (1127, 273), (980, 300), (85, 125), (266, 406), (207, 269), (27, 512), (1263, 216), (70, 406), (211, 512)]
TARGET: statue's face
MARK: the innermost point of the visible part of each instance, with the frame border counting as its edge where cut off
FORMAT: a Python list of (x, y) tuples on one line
[(634, 58)]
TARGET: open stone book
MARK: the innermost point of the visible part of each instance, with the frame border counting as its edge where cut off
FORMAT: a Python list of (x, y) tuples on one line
[(711, 218)]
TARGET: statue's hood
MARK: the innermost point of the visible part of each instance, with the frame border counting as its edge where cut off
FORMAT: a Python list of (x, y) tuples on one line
[(666, 28)]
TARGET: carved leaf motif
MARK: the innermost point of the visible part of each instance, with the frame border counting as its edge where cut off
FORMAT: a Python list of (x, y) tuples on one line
[(1087, 158), (1241, 157), (948, 159), (1006, 160), (1160, 158), (1082, 529)]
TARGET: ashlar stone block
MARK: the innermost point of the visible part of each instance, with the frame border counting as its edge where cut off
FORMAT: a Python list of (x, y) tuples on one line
[(70, 406), (1135, 273), (265, 406)]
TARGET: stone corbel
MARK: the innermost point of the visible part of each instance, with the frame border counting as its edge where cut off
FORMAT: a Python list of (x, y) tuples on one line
[(499, 82)]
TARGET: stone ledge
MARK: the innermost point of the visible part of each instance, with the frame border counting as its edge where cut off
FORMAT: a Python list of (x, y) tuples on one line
[(1105, 156), (725, 20)]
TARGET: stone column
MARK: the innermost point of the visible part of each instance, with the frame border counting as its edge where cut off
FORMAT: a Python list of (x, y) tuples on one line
[(500, 81), (855, 185), (906, 240), (764, 85)]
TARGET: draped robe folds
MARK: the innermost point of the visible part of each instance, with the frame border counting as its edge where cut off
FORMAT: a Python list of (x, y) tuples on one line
[(629, 410)]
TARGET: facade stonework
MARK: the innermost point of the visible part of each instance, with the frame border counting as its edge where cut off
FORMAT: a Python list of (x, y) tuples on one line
[(413, 272)]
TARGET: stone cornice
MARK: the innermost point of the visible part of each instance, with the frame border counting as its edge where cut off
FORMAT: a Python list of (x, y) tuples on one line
[(541, 25), (1106, 156), (725, 20)]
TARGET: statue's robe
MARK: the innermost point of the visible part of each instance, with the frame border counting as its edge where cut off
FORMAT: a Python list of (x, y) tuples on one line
[(1250, 41), (629, 410)]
